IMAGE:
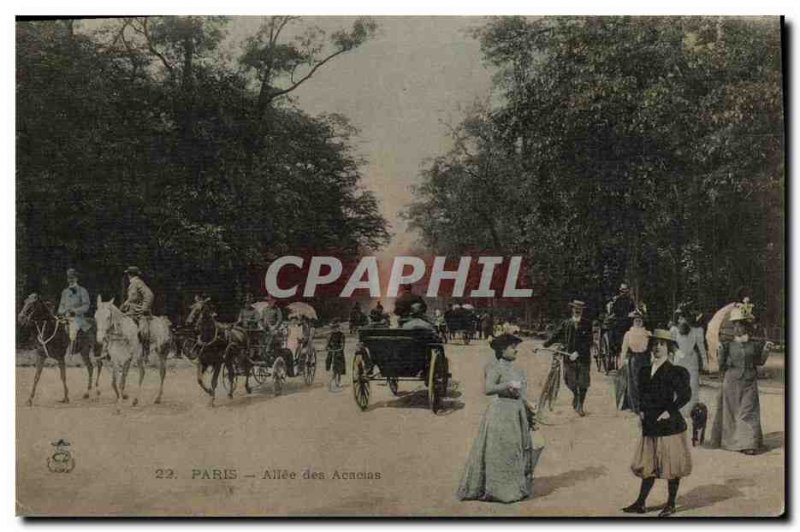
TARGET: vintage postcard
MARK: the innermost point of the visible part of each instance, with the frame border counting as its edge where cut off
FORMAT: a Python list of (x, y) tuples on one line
[(401, 266)]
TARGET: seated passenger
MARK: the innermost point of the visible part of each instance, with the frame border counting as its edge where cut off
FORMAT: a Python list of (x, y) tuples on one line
[(417, 318)]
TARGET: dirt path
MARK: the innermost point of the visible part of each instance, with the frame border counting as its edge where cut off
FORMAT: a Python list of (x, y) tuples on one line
[(308, 431)]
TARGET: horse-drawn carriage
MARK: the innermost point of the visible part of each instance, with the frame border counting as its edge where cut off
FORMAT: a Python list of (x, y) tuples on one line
[(237, 351), (396, 355), (267, 356)]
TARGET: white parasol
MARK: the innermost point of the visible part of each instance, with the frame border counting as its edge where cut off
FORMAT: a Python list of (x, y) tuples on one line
[(720, 329), (298, 309)]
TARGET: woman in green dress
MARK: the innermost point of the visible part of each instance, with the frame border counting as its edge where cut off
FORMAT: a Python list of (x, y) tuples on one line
[(502, 459)]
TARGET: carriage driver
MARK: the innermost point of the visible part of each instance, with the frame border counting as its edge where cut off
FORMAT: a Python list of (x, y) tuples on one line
[(74, 305), (138, 305)]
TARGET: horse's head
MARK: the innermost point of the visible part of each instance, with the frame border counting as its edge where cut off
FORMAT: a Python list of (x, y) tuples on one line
[(104, 318), (202, 317), (198, 310), (34, 309)]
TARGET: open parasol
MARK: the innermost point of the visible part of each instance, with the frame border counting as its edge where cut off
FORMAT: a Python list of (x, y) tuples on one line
[(298, 309), (720, 329), (259, 306)]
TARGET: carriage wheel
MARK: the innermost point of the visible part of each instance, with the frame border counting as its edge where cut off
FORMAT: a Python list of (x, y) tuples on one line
[(437, 379), (310, 366), (224, 376), (360, 382), (278, 375), (260, 373), (188, 348), (392, 382)]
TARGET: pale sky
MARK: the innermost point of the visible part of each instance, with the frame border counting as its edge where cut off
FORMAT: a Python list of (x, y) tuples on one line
[(399, 89)]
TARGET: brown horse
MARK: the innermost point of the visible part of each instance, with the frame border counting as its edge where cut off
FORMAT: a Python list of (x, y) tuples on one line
[(52, 340), (217, 344)]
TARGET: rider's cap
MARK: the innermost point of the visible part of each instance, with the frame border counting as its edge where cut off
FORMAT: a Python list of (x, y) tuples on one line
[(133, 270), (72, 272), (335, 323)]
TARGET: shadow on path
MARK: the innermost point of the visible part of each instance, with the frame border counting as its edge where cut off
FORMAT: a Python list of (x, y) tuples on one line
[(546, 485), (703, 496)]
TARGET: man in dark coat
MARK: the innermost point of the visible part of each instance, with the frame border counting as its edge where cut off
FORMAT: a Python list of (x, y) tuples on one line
[(575, 334), (621, 307), (402, 307)]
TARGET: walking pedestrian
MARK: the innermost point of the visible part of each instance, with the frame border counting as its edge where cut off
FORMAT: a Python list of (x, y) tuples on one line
[(663, 449), (504, 455), (737, 423)]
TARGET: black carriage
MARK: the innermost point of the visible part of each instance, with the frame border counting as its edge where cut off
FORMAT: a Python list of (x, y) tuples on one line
[(396, 355), (266, 356)]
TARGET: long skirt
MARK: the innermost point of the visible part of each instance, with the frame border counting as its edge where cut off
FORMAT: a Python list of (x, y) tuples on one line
[(737, 423), (664, 457), (576, 375), (691, 362), (636, 361), (501, 462)]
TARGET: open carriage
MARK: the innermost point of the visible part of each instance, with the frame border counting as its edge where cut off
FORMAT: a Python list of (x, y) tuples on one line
[(267, 356), (396, 355)]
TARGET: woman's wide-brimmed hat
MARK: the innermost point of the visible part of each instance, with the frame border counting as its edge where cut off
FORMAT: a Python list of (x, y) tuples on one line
[(636, 314), (662, 334), (500, 343), (577, 304), (133, 270)]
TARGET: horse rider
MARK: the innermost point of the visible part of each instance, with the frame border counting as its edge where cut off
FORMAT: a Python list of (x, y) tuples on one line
[(74, 305), (138, 305)]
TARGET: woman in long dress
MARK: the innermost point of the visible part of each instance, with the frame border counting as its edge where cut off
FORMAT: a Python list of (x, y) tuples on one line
[(690, 353), (663, 449), (502, 459), (634, 356), (737, 423)]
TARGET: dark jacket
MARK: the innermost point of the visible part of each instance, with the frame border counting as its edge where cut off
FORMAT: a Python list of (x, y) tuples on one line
[(666, 391), (575, 338), (402, 307)]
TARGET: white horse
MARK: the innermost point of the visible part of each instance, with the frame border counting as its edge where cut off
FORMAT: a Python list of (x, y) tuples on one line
[(120, 334)]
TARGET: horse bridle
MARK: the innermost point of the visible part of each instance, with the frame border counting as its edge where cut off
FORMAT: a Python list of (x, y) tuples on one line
[(40, 331)]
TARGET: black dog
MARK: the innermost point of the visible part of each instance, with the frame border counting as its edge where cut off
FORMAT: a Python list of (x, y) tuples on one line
[(699, 415)]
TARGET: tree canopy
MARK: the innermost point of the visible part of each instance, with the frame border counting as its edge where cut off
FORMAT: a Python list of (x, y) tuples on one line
[(640, 149), (140, 143)]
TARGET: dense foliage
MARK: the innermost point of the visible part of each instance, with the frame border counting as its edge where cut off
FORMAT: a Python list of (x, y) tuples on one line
[(647, 150), (141, 143)]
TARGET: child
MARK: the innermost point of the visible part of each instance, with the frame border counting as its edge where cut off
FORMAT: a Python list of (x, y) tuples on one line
[(334, 362)]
